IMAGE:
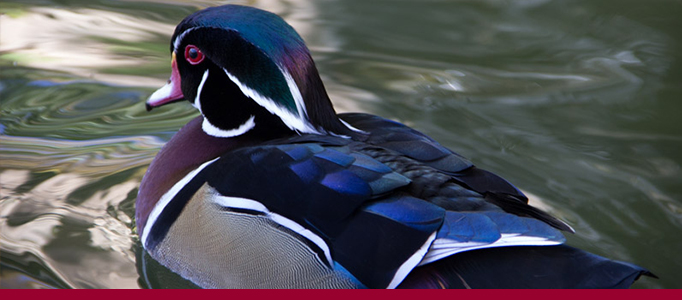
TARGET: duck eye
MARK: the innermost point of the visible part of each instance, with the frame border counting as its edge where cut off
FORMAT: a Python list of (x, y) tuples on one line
[(193, 55)]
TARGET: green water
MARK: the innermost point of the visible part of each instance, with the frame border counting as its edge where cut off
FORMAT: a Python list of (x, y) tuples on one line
[(578, 103)]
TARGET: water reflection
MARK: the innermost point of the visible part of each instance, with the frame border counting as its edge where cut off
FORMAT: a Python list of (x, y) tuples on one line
[(81, 41), (75, 211), (564, 98)]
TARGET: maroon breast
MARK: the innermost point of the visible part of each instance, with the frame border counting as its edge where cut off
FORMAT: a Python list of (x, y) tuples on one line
[(187, 150)]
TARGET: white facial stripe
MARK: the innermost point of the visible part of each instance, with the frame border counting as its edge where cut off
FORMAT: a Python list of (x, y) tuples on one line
[(197, 102), (178, 39), (300, 104), (297, 123), (243, 203), (212, 130), (166, 198)]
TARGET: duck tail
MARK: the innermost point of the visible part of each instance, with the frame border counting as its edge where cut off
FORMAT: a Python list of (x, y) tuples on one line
[(531, 267)]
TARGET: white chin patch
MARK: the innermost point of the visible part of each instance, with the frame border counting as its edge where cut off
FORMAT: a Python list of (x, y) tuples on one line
[(212, 130)]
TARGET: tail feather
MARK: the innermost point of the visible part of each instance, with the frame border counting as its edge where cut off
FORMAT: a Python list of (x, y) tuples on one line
[(525, 267), (512, 205)]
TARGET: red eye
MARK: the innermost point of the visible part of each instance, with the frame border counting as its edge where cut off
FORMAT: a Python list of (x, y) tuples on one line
[(193, 55)]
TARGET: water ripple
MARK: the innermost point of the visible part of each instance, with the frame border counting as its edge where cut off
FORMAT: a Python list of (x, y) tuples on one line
[(572, 101)]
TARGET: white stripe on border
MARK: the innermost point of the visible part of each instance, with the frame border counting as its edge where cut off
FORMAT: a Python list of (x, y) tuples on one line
[(244, 203), (166, 198), (411, 263), (444, 247)]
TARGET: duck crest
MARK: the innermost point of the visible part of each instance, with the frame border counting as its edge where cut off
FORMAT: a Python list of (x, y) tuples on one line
[(269, 63)]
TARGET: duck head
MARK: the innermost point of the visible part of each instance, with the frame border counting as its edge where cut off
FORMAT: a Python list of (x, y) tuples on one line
[(247, 70)]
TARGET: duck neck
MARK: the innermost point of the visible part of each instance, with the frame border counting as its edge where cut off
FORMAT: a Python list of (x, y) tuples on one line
[(319, 109)]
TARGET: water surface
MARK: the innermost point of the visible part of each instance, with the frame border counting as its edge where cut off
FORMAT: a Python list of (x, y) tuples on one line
[(577, 103)]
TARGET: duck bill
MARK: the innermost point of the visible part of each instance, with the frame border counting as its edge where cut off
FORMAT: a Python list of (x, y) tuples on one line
[(171, 92)]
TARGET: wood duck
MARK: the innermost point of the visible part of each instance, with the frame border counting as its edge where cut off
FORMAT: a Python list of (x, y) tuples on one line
[(270, 188)]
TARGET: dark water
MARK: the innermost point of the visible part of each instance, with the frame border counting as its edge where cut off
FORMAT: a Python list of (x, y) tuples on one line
[(578, 103)]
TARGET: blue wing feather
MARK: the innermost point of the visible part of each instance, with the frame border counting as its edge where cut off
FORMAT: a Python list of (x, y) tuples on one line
[(336, 195), (346, 193), (296, 152), (347, 183), (410, 211), (307, 171), (488, 227), (470, 227), (335, 156)]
